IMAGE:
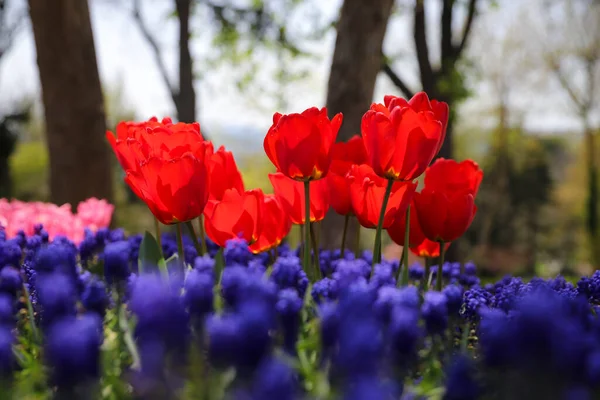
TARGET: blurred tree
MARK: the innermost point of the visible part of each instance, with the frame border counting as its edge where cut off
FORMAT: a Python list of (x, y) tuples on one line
[(356, 62), (569, 47), (182, 93), (11, 125), (502, 70), (73, 103), (240, 30), (445, 81)]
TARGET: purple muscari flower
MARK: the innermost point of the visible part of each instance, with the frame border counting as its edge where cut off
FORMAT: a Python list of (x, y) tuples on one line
[(94, 297), (330, 326), (189, 253), (239, 284), (57, 297), (20, 238), (2, 234), (496, 334), (116, 262), (460, 380), (288, 273), (116, 235), (288, 308), (205, 265), (404, 332), (454, 298), (592, 368), (383, 275), (506, 294), (470, 269), (367, 255), (256, 266), (274, 379), (224, 339), (73, 350), (237, 251), (390, 297), (10, 280), (160, 313), (325, 289), (88, 246), (360, 345), (416, 272), (134, 248), (475, 299), (590, 286), (257, 319), (577, 392), (10, 253), (101, 236), (198, 295), (360, 338), (57, 257), (7, 310), (7, 357), (33, 243), (349, 272), (369, 387)]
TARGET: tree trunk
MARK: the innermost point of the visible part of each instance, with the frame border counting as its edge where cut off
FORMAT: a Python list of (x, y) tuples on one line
[(72, 97), (593, 196), (186, 97), (356, 63)]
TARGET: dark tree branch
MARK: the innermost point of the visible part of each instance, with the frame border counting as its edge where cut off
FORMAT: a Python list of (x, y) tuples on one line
[(426, 72), (155, 50), (396, 80), (472, 11), (447, 49)]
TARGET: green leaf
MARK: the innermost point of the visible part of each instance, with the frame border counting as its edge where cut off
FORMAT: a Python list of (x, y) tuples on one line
[(150, 256)]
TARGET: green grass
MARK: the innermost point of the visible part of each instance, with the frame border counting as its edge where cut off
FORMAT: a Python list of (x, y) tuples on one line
[(29, 166)]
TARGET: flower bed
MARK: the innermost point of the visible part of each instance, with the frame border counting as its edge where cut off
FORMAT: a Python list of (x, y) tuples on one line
[(231, 311), (262, 331)]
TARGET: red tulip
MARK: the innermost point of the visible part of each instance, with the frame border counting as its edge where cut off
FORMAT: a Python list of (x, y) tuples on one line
[(397, 229), (275, 225), (291, 195), (420, 102), (417, 242), (343, 156), (428, 248), (238, 215), (165, 166), (299, 145), (401, 141), (128, 134), (449, 175), (444, 216), (224, 173), (367, 191)]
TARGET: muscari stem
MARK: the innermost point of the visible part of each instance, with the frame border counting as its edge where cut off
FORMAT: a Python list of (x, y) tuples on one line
[(315, 247), (190, 227), (377, 246), (343, 248), (307, 228), (405, 250), (439, 278)]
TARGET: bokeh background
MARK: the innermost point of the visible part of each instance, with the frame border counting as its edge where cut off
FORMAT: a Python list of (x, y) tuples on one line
[(522, 78)]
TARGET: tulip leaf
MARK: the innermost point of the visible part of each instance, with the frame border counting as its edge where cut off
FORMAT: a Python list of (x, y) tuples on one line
[(150, 255)]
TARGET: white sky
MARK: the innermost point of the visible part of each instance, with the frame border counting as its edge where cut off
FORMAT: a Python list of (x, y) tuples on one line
[(125, 58)]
